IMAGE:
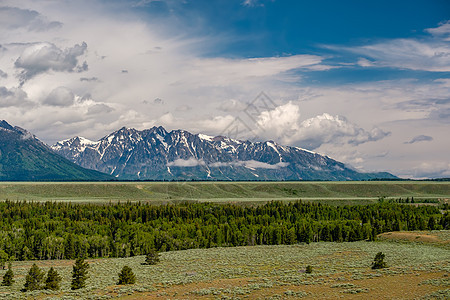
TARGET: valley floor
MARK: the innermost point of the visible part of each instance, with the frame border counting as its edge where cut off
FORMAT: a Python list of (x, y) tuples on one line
[(418, 268), (248, 193)]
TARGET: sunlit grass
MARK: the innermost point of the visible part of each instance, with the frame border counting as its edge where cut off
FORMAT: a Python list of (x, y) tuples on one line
[(263, 267)]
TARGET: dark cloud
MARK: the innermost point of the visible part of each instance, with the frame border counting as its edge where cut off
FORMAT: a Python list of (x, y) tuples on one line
[(420, 138), (89, 79), (13, 97), (441, 115), (82, 68), (3, 74), (61, 96), (157, 101), (13, 18), (99, 109), (124, 71), (421, 104), (86, 96), (41, 57)]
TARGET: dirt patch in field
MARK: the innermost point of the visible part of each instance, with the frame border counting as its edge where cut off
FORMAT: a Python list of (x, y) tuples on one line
[(423, 237), (341, 255), (398, 286)]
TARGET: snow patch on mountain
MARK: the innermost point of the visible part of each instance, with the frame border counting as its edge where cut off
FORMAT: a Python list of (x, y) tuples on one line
[(160, 155)]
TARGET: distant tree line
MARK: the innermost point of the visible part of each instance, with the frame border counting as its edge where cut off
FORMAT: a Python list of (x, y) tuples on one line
[(53, 230), (409, 200)]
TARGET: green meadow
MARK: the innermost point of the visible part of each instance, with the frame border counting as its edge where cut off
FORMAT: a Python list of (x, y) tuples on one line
[(242, 192)]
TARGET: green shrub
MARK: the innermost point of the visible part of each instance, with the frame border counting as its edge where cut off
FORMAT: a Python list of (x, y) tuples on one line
[(126, 276), (378, 262), (152, 257)]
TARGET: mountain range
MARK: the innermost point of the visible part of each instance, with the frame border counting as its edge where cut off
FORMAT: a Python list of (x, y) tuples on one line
[(156, 154), (25, 158)]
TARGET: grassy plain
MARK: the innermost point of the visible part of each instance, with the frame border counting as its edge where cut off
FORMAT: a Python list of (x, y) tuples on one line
[(419, 262), (416, 270), (244, 192)]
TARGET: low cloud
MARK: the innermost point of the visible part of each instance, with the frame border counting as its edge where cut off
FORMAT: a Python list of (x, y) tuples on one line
[(420, 138), (42, 57), (191, 162), (430, 170), (61, 96), (3, 74), (251, 164)]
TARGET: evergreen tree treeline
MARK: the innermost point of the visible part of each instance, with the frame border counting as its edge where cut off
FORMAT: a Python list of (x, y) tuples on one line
[(63, 230)]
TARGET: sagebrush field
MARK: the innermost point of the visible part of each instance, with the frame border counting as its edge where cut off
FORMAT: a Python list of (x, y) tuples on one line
[(340, 270)]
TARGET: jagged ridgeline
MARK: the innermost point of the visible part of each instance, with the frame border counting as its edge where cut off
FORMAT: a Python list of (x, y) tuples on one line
[(157, 154), (24, 158), (63, 230)]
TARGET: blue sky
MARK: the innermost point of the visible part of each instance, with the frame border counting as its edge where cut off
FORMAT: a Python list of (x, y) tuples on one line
[(365, 82), (267, 28)]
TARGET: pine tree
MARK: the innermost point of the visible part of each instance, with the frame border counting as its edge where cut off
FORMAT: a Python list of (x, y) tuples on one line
[(69, 247), (308, 269), (8, 278), (3, 259), (126, 276), (431, 223), (378, 262), (152, 257), (53, 279), (79, 274), (34, 278)]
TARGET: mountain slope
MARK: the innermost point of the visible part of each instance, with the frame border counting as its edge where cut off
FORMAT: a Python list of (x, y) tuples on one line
[(24, 158), (179, 155)]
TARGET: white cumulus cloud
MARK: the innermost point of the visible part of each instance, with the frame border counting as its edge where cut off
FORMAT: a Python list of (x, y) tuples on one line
[(284, 123)]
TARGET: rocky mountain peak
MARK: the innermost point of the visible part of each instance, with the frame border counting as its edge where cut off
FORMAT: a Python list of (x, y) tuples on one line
[(5, 125), (180, 155)]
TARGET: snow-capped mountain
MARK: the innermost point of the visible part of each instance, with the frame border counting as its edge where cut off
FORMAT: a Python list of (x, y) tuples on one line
[(156, 154)]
